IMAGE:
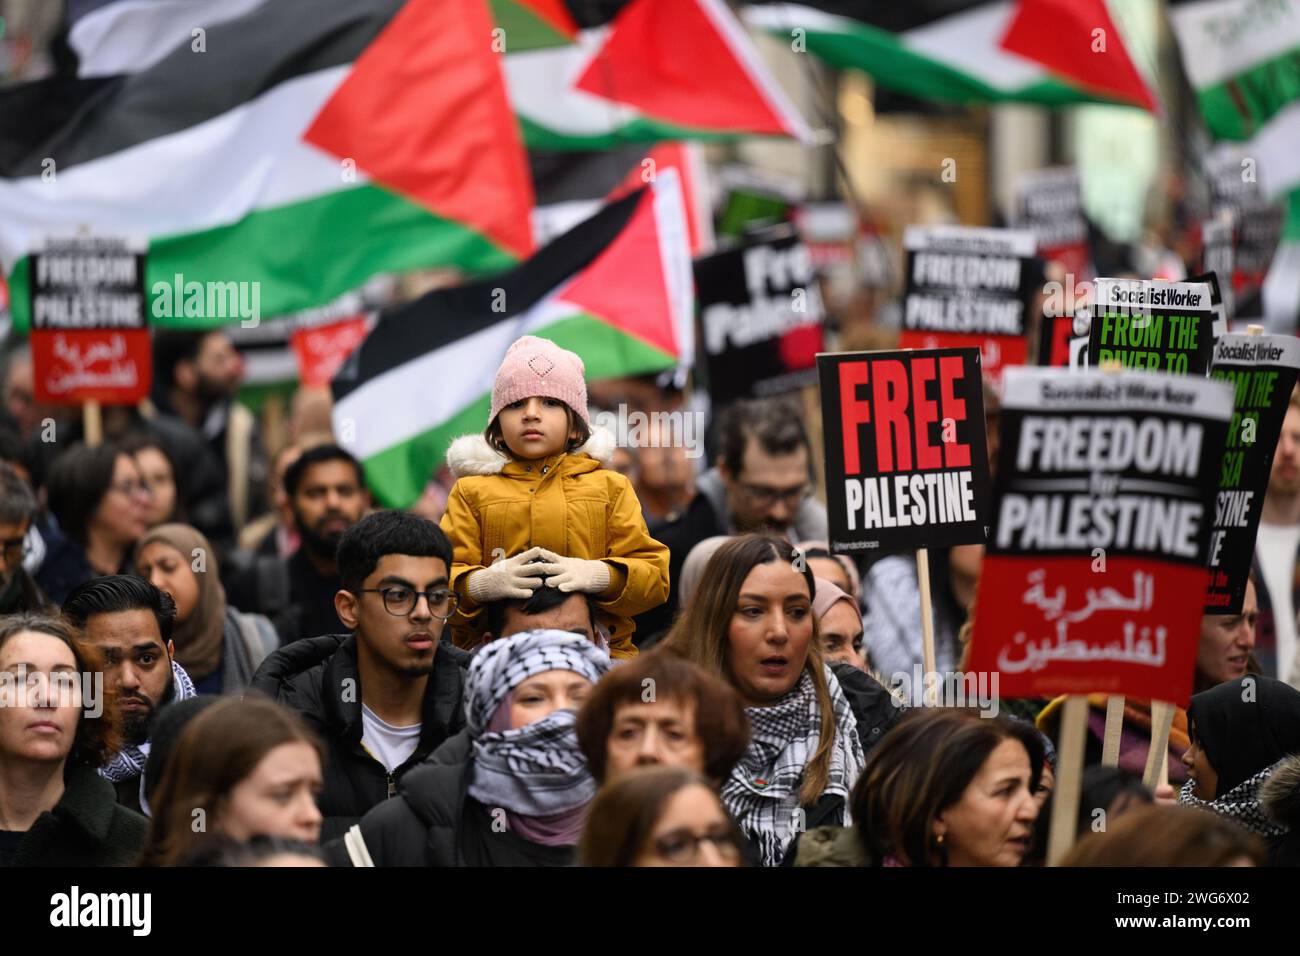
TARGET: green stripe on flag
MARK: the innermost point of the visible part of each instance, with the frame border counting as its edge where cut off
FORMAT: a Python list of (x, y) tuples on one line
[(606, 351), (1236, 109), (893, 64), (524, 29), (302, 254), (639, 130), (397, 475)]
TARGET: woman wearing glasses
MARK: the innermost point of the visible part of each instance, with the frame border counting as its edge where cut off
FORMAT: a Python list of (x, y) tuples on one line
[(219, 647), (660, 816), (512, 788), (101, 503)]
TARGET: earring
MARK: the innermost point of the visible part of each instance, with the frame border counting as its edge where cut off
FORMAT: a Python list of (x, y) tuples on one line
[(939, 839)]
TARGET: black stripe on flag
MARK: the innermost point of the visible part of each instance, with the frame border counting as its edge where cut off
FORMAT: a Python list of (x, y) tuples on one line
[(442, 316), (244, 58)]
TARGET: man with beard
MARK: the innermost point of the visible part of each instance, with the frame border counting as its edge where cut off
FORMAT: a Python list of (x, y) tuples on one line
[(386, 695), (761, 482), (326, 491), (1277, 555), (196, 376), (130, 622)]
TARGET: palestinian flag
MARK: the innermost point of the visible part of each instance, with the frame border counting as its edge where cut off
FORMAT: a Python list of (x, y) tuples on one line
[(1242, 58), (572, 186), (616, 290), (310, 145), (586, 75), (1037, 51)]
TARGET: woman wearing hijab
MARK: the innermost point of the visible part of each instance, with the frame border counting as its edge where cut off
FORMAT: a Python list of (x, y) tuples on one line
[(841, 624), (1241, 730), (219, 646), (512, 788)]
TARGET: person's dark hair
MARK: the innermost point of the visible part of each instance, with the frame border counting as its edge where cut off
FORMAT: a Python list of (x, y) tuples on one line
[(624, 813), (173, 346), (387, 532), (165, 731), (77, 482), (720, 721), (137, 442), (1162, 835), (216, 750), (775, 423), (221, 850), (1110, 789), (921, 768), (114, 593), (13, 448), (293, 475), (17, 503), (97, 738), (575, 423), (701, 633), (543, 599)]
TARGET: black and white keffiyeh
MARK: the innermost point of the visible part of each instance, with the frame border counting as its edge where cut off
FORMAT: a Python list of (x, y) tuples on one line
[(1241, 804), (762, 792), (503, 665), (537, 770), (129, 761)]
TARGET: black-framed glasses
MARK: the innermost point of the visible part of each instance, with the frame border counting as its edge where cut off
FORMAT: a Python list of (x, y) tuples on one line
[(765, 496), (400, 600), (681, 847)]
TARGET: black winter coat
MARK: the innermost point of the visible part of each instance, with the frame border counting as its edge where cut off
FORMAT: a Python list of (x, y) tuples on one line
[(435, 822), (311, 677), (875, 708), (87, 827)]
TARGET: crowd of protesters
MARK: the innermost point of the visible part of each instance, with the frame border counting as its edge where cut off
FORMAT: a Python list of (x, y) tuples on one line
[(571, 654)]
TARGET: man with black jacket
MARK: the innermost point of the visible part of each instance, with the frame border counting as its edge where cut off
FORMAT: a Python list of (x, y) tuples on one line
[(386, 695)]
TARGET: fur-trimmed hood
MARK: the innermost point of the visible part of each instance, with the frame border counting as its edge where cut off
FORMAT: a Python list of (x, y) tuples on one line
[(472, 455), (1280, 794)]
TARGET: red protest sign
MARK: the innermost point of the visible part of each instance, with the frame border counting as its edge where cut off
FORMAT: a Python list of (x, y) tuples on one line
[(89, 339), (321, 349), (906, 458), (1103, 502)]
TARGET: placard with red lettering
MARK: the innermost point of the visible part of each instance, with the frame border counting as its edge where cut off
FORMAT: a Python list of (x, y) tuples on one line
[(969, 287), (1094, 575), (906, 454), (1262, 371), (89, 338)]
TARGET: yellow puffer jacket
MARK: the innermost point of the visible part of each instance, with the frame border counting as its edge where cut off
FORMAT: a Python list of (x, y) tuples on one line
[(568, 504)]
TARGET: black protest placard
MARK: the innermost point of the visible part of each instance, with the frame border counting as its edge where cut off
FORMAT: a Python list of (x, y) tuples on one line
[(1152, 326), (89, 338), (906, 455), (1049, 204), (761, 318), (969, 287), (1219, 327), (1102, 508), (1217, 259), (1262, 371)]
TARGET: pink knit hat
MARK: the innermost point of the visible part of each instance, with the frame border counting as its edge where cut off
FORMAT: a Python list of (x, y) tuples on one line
[(534, 366)]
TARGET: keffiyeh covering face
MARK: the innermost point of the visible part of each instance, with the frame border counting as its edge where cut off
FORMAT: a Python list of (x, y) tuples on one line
[(536, 773), (129, 761), (762, 793), (1240, 804)]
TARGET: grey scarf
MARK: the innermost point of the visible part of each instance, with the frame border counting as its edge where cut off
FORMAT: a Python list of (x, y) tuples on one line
[(1240, 804)]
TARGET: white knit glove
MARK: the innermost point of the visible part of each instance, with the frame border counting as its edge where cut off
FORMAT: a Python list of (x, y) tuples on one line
[(575, 574), (509, 578)]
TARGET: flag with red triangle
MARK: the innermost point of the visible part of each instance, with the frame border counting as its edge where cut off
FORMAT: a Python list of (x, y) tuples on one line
[(590, 76), (310, 145), (616, 289)]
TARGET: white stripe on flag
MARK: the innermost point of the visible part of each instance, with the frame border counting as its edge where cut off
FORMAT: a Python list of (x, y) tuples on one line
[(428, 390), (969, 43), (209, 175), (1222, 38), (1281, 290), (1276, 147), (129, 36)]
